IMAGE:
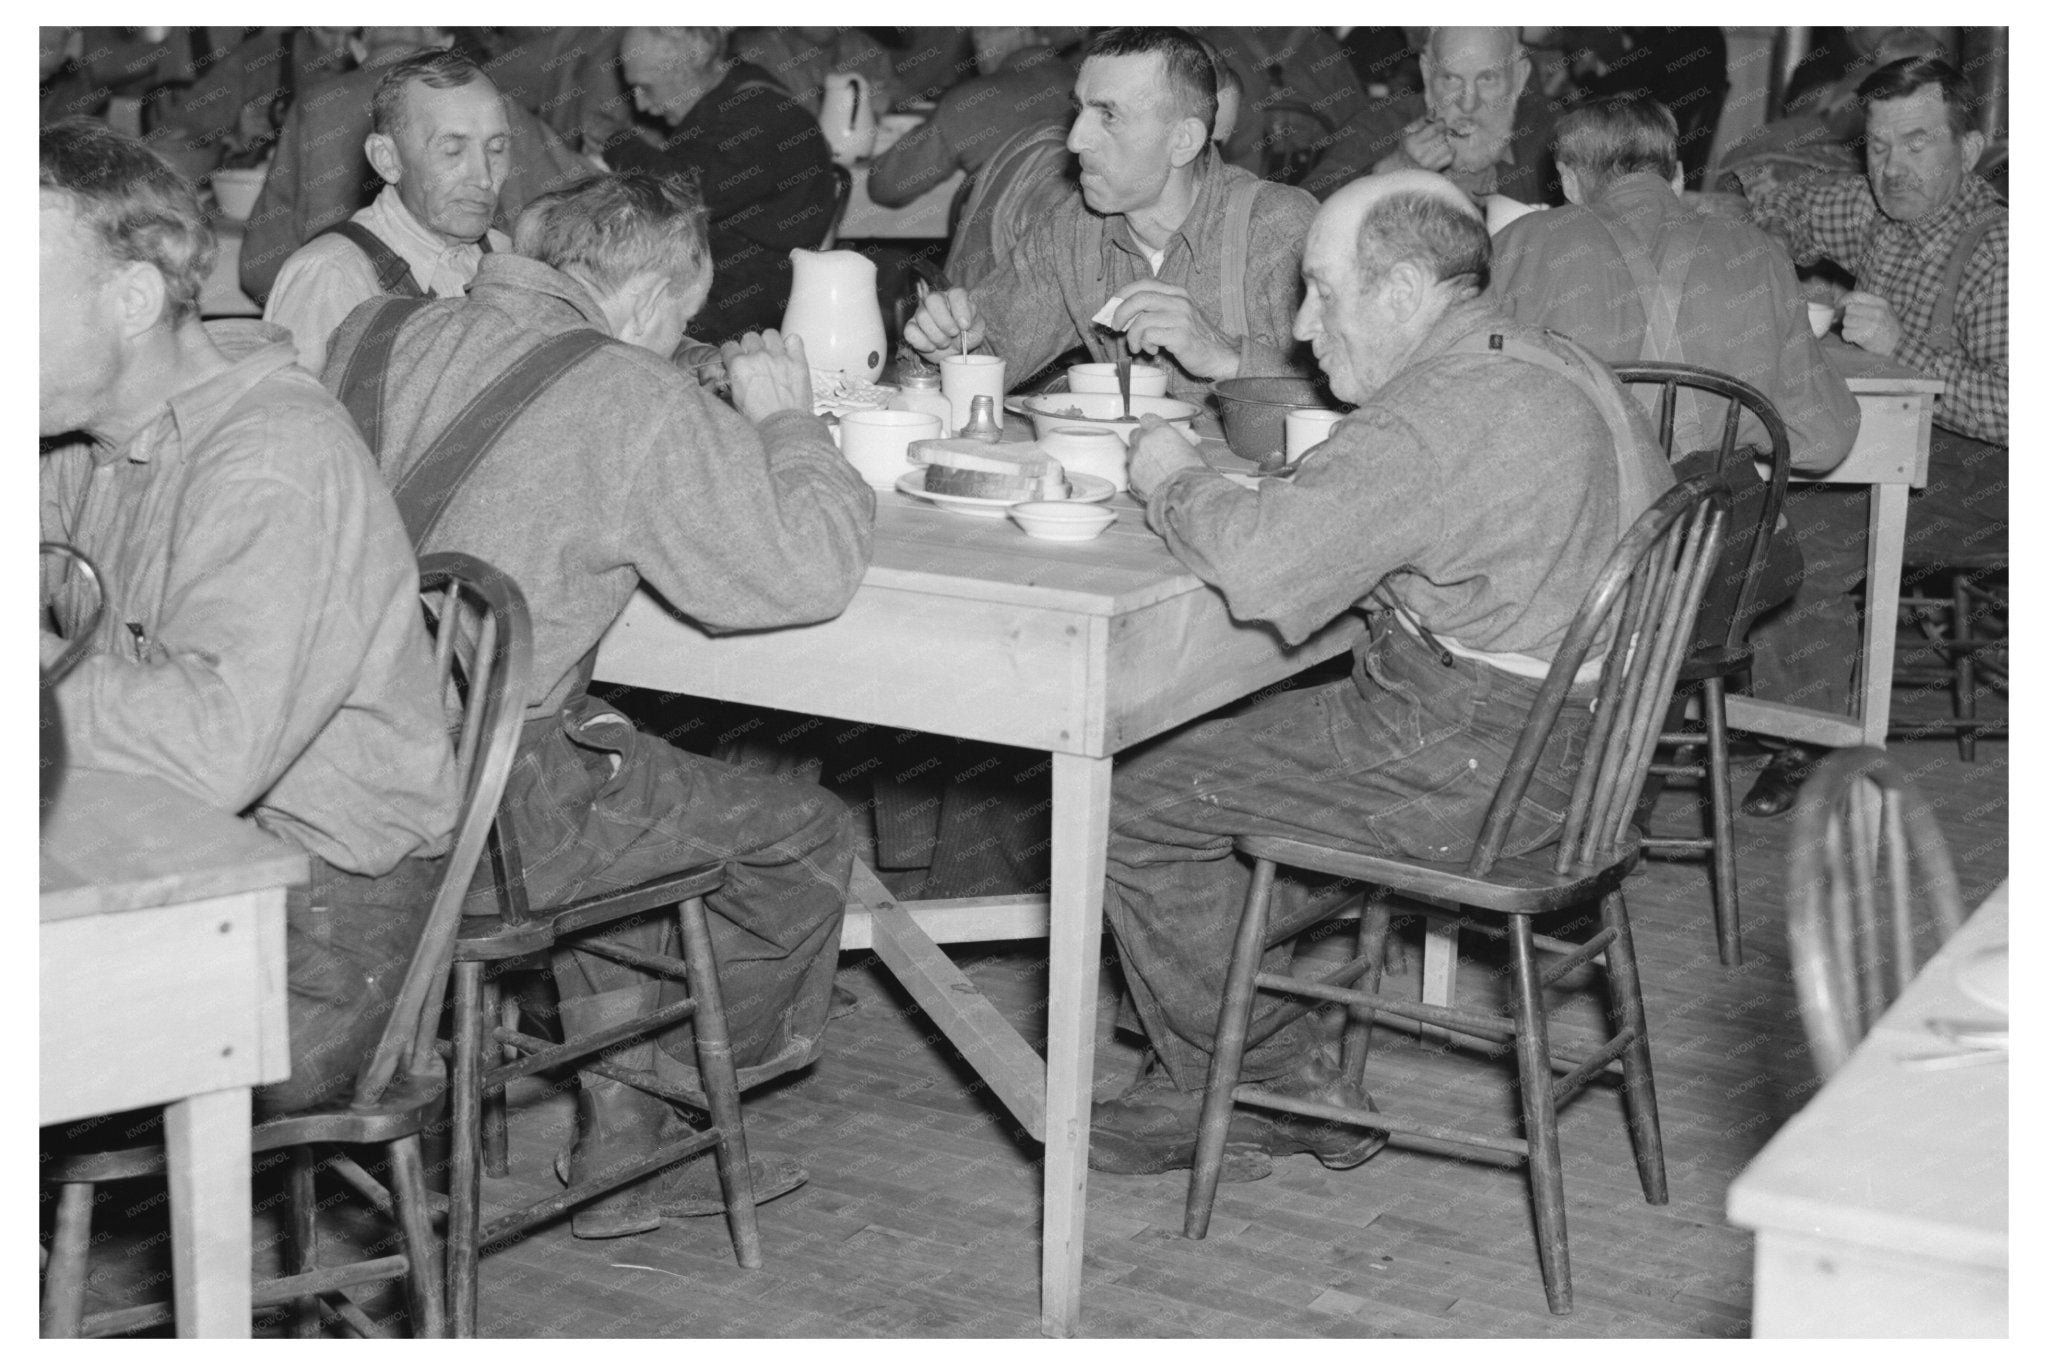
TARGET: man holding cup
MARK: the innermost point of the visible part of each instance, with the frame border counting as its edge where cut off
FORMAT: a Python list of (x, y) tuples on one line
[(1168, 252)]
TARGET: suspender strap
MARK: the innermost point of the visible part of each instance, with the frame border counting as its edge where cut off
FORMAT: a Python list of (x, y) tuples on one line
[(1941, 334), (1237, 251), (423, 493), (1675, 244), (362, 379), (394, 276)]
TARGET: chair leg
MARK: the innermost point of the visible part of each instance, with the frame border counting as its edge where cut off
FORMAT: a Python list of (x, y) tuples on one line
[(465, 1140), (305, 1238), (721, 1085), (415, 1225), (1226, 1058), (1372, 944), (499, 1007), (64, 1279), (1965, 673), (1727, 895), (1639, 1086), (1539, 1116)]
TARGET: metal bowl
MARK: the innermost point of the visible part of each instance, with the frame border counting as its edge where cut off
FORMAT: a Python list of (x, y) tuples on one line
[(1254, 413)]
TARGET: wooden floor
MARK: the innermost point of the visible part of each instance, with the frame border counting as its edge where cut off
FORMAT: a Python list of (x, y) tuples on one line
[(921, 1215)]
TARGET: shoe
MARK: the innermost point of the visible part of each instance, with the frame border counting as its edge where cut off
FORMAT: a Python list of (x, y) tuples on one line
[(616, 1125), (1339, 1146), (691, 1189), (1777, 786), (1151, 1128)]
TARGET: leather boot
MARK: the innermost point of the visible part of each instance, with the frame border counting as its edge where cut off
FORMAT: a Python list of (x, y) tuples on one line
[(615, 1124)]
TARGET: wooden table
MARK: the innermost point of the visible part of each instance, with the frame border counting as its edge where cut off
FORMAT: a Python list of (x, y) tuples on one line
[(965, 627), (926, 216), (163, 982), (1881, 1208)]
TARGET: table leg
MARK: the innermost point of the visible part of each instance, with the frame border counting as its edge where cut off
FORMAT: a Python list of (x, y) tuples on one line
[(1885, 561), (206, 1145), (1080, 841)]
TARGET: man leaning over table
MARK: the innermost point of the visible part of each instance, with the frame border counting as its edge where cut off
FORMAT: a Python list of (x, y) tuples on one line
[(439, 139), (627, 471), (1927, 241), (1468, 503), (1154, 232), (262, 646)]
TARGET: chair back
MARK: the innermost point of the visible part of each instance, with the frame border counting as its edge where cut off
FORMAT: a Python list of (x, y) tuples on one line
[(1642, 606), (1739, 397), (1871, 893), (483, 656)]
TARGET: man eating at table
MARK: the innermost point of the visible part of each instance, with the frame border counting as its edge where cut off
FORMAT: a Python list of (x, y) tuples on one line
[(1167, 252), (1928, 243), (1468, 503), (618, 470), (262, 647)]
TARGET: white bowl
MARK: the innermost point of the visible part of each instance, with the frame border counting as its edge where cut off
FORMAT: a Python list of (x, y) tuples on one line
[(1063, 520), (1104, 412), (1099, 376)]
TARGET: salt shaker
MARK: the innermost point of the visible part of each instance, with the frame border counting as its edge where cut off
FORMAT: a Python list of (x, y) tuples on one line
[(921, 393), (981, 421)]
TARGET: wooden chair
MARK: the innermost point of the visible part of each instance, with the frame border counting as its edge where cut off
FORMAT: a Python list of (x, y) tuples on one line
[(489, 1050), (1642, 606), (400, 1087), (1966, 655), (1870, 895), (1712, 663)]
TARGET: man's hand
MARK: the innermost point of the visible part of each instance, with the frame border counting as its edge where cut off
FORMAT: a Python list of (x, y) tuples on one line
[(1869, 322), (1158, 452), (1427, 142), (1158, 317), (769, 374), (942, 320)]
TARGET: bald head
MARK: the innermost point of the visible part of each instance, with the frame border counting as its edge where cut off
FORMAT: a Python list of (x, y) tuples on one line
[(1490, 46), (1405, 215)]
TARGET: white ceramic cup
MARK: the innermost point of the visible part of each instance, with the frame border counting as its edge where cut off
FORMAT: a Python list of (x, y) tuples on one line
[(1099, 376), (877, 443), (1307, 428), (963, 378), (1820, 317), (1085, 450)]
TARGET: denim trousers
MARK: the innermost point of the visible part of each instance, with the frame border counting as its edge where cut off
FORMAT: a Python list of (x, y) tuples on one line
[(1806, 653), (1400, 758), (600, 807)]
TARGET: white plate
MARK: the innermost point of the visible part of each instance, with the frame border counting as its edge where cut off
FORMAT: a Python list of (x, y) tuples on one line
[(1983, 976), (1086, 488)]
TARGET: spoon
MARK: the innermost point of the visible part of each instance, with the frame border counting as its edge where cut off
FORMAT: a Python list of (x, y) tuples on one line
[(1123, 377)]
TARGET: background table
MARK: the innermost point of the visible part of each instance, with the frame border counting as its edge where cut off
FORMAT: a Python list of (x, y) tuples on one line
[(964, 627), (162, 979), (1881, 1208)]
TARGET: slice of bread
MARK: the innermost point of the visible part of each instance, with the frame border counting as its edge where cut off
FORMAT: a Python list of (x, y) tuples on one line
[(1014, 472)]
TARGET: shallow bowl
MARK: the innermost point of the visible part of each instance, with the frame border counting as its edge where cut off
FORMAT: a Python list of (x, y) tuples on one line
[(1103, 412), (1062, 520)]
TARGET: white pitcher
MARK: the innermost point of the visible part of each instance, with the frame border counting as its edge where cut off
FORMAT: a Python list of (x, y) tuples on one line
[(848, 117), (832, 306)]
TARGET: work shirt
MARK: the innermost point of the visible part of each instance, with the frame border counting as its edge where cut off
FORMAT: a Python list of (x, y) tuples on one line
[(1739, 312), (1904, 263), (1035, 85), (1491, 481), (327, 277), (1074, 260), (262, 646), (625, 471)]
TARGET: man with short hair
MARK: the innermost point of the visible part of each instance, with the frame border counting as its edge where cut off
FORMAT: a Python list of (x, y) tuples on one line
[(1196, 260), (623, 472), (262, 647), (440, 142), (762, 163), (1469, 501), (1481, 125), (320, 172), (1928, 243)]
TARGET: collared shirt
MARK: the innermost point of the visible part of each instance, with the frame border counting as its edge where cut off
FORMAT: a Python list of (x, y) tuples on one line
[(327, 277), (1739, 311), (1905, 264), (262, 646), (1061, 272)]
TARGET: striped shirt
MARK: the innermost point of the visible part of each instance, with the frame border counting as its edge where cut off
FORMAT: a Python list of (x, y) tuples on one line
[(1905, 263)]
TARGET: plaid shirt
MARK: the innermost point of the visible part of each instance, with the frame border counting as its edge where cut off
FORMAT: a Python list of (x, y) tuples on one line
[(1904, 262)]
